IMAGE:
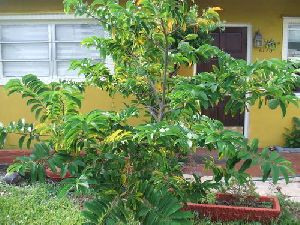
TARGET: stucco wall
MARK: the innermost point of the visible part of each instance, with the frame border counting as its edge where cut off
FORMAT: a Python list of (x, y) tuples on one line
[(265, 124), (30, 6)]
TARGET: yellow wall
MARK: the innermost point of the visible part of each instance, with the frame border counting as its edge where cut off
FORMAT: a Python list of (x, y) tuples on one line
[(13, 108), (265, 124), (30, 6)]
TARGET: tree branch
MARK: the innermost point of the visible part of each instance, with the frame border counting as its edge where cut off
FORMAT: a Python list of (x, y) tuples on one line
[(165, 73)]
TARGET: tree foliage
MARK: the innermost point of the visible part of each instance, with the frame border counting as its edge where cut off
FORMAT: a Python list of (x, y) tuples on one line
[(136, 170)]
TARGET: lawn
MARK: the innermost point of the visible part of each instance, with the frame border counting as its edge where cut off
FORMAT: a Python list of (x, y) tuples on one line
[(39, 204), (36, 205)]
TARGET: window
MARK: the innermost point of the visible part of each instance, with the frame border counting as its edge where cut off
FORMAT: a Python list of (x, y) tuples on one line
[(291, 40), (44, 45)]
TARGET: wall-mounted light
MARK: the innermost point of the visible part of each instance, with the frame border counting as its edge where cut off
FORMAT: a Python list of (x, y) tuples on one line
[(258, 40)]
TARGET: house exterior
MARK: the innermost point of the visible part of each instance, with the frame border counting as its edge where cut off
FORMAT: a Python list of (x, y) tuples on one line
[(57, 36)]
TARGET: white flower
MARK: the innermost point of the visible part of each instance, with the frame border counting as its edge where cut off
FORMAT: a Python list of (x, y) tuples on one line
[(189, 135), (162, 130), (102, 78)]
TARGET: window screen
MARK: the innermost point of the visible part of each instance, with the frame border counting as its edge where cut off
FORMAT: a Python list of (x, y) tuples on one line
[(45, 50), (294, 41)]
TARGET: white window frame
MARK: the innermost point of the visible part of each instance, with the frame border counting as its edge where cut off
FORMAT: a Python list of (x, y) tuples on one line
[(285, 37), (51, 20)]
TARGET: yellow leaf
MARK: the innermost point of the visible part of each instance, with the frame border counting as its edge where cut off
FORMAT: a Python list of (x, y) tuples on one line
[(117, 136), (113, 33), (123, 179), (170, 24), (184, 27), (140, 40), (202, 21), (138, 2), (217, 8)]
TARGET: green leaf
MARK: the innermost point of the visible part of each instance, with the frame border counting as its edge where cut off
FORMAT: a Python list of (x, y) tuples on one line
[(275, 173), (284, 172), (190, 37), (28, 145), (41, 173), (266, 169), (246, 165), (273, 103), (283, 108), (37, 113), (33, 172), (21, 141)]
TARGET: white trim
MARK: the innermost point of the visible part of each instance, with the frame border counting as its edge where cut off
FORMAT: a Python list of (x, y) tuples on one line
[(27, 17), (285, 32), (246, 128), (247, 121), (285, 36), (51, 30), (45, 79), (1, 63), (194, 69)]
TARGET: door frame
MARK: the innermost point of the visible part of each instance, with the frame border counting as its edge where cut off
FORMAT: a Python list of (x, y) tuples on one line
[(249, 60)]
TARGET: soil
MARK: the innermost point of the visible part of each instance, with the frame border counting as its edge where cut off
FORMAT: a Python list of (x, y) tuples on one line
[(246, 203)]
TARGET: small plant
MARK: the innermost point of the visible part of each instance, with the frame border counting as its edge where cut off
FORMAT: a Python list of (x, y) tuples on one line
[(234, 187), (292, 136), (243, 194), (51, 104)]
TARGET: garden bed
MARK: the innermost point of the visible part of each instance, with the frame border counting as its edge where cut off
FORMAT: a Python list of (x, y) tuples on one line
[(227, 212)]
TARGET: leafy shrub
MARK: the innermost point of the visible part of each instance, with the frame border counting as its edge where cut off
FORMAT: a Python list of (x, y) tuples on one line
[(292, 137), (138, 168), (51, 103)]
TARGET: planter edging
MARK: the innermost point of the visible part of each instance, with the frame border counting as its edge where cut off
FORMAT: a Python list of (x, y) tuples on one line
[(237, 213), (8, 156), (56, 176)]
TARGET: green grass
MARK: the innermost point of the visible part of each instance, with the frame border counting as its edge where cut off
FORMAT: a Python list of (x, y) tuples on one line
[(39, 205), (290, 215), (36, 205)]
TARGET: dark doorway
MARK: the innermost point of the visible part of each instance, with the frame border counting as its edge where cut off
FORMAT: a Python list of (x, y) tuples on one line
[(232, 40)]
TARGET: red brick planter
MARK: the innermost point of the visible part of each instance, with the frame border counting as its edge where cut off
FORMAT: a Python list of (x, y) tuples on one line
[(56, 176), (9, 156), (234, 213)]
